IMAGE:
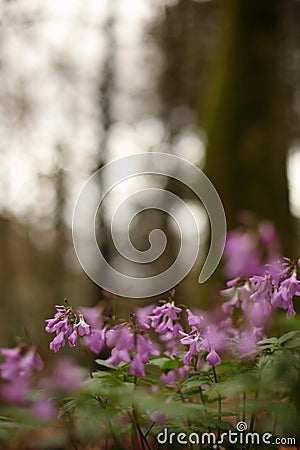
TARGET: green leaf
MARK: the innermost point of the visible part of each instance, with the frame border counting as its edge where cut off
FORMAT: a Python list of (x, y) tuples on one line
[(103, 363), (287, 336), (269, 341), (169, 365), (293, 343), (66, 408), (159, 361)]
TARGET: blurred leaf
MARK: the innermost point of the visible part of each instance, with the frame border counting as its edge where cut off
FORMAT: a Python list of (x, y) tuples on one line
[(102, 362), (269, 341), (287, 336), (293, 343), (169, 365)]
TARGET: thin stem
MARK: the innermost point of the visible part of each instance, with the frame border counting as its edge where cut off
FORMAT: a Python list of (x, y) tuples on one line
[(109, 424), (253, 413), (274, 424), (149, 429), (204, 404), (244, 406), (219, 406), (141, 434), (87, 360), (71, 433), (252, 419)]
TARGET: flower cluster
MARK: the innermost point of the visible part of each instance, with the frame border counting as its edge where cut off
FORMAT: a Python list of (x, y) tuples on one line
[(259, 294), (130, 346), (164, 319), (67, 325), (206, 335), (250, 247), (20, 363), (203, 338)]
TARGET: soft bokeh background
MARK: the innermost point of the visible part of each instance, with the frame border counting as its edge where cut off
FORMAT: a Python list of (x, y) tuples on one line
[(83, 83)]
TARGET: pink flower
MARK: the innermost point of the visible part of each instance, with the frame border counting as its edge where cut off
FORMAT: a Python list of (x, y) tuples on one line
[(73, 339), (58, 342), (66, 324), (245, 346), (66, 376), (158, 417), (283, 298), (91, 315), (16, 392), (44, 410), (95, 341), (213, 359), (137, 366), (82, 326), (121, 336), (194, 340), (17, 370), (241, 255), (163, 317)]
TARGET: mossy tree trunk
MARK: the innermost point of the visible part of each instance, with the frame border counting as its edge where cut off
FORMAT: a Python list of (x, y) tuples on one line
[(245, 115)]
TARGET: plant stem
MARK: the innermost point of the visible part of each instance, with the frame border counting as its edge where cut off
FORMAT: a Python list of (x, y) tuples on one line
[(87, 360), (204, 404), (219, 405), (141, 434), (109, 424), (253, 413), (244, 407)]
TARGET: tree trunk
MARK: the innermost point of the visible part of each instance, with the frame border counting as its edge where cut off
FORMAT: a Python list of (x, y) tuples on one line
[(245, 115)]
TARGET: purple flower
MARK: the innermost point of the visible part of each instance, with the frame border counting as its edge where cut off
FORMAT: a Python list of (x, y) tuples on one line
[(122, 339), (262, 289), (234, 302), (73, 339), (16, 392), (241, 255), (283, 297), (213, 359), (118, 355), (142, 316), (158, 417), (67, 325), (66, 377), (92, 315), (58, 342), (30, 362), (20, 363), (170, 377), (17, 370), (256, 314), (214, 338), (121, 336), (195, 319), (44, 410), (175, 375), (137, 366), (194, 340), (246, 345), (82, 326), (95, 341), (10, 368), (143, 348), (163, 317), (171, 343)]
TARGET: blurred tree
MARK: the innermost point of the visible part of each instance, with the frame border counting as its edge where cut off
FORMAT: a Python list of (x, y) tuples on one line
[(245, 114)]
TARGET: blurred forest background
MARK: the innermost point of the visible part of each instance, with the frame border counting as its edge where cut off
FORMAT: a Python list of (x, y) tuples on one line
[(82, 83)]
